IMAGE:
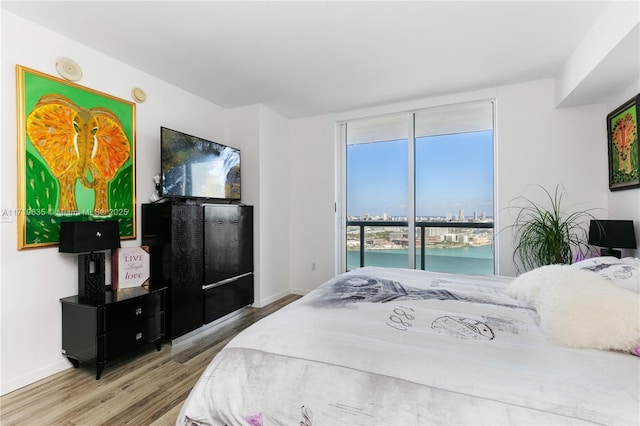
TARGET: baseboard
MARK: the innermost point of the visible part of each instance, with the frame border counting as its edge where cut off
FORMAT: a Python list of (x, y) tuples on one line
[(34, 376), (299, 291), (200, 331), (264, 302), (185, 338)]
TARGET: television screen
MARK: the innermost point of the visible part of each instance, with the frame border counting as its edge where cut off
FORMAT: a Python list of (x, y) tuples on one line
[(197, 168)]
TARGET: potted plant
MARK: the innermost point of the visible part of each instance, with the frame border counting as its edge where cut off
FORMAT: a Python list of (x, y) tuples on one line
[(548, 235)]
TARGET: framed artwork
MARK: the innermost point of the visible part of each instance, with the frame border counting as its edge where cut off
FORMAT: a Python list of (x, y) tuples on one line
[(624, 150), (76, 158)]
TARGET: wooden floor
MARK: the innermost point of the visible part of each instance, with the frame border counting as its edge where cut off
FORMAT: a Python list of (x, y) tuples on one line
[(146, 388)]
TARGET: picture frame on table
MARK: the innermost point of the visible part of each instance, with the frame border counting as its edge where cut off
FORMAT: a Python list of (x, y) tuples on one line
[(623, 146)]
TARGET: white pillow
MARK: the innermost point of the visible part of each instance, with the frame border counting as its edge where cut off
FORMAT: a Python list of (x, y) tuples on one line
[(526, 288), (580, 309), (623, 272)]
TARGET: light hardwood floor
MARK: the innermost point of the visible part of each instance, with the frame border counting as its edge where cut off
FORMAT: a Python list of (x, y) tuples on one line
[(146, 388)]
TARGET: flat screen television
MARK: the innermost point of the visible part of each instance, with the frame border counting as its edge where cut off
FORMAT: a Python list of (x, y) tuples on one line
[(198, 168)]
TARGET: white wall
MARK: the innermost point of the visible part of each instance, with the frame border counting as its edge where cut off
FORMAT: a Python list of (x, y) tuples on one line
[(274, 203), (262, 135), (311, 203), (539, 144), (33, 280)]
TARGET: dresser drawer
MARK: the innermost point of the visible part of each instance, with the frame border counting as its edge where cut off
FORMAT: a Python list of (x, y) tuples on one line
[(226, 298), (128, 312), (141, 332)]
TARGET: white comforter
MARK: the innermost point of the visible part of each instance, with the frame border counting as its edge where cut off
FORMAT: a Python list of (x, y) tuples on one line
[(381, 346)]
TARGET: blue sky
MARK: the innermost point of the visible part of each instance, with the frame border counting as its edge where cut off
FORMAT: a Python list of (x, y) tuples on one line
[(453, 172)]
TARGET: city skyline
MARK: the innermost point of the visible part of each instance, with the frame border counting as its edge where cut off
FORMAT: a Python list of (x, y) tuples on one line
[(480, 216), (452, 172)]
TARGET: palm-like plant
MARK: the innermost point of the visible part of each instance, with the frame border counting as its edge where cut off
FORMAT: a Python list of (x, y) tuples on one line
[(546, 236)]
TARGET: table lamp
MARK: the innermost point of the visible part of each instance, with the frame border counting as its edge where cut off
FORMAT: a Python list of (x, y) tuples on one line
[(612, 235), (88, 238)]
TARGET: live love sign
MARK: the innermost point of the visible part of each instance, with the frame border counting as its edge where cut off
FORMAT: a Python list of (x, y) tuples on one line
[(130, 267)]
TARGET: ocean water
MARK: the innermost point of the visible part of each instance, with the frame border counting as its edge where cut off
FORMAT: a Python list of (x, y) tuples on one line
[(462, 260)]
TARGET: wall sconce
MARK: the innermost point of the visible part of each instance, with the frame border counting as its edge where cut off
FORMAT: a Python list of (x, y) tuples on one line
[(87, 238), (611, 235)]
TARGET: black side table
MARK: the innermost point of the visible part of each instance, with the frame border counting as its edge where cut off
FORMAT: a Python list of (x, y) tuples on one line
[(97, 331)]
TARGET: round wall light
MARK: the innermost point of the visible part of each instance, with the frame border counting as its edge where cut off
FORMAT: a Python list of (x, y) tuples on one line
[(138, 95), (68, 69)]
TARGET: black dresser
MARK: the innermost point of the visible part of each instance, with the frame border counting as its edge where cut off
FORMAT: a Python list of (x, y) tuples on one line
[(203, 254)]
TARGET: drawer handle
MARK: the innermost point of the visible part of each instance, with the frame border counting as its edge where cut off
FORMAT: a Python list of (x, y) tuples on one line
[(138, 336), (138, 311)]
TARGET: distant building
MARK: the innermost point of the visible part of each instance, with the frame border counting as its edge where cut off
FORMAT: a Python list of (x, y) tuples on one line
[(435, 232)]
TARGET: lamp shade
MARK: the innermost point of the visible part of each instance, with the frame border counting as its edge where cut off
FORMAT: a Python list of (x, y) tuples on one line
[(84, 237), (612, 234)]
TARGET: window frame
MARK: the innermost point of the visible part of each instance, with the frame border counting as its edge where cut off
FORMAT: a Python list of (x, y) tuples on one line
[(341, 190)]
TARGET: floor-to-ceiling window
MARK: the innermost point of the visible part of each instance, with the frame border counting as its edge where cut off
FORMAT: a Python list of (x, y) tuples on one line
[(377, 183), (419, 190)]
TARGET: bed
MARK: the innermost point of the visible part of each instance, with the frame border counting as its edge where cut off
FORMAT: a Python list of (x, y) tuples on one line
[(379, 346)]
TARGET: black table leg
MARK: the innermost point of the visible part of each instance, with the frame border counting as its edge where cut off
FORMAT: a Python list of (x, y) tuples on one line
[(99, 368)]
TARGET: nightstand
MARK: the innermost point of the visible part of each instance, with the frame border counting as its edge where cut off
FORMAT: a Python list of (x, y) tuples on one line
[(97, 331)]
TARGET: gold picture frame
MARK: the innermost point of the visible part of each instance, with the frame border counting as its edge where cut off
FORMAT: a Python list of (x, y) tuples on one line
[(76, 158)]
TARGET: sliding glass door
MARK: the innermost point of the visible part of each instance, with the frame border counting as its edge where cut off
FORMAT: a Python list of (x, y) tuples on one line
[(377, 185), (419, 190)]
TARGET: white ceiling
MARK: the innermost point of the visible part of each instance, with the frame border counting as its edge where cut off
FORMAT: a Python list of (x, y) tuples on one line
[(306, 58)]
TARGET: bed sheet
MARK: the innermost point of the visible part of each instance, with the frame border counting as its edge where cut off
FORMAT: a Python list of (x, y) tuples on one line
[(404, 347)]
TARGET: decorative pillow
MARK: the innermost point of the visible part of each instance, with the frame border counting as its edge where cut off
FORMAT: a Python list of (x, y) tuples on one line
[(623, 272), (527, 287), (579, 308)]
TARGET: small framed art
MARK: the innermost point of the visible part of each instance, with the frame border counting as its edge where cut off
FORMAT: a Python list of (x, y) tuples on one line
[(624, 151)]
